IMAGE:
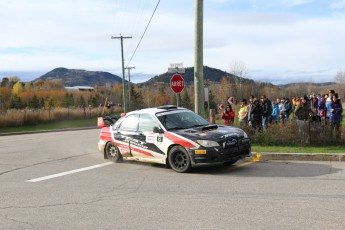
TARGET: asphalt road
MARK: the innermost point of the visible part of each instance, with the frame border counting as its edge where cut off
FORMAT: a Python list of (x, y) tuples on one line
[(59, 180)]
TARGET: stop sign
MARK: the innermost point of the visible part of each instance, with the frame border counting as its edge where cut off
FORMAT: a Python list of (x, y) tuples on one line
[(177, 83)]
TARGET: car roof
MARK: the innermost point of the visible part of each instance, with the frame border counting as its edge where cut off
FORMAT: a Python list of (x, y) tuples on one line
[(155, 110)]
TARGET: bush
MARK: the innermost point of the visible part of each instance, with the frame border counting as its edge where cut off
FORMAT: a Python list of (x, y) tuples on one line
[(315, 134)]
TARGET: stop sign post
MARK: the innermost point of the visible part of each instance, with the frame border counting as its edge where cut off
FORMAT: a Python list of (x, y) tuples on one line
[(177, 85)]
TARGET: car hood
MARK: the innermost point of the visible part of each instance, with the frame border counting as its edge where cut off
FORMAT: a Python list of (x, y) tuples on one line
[(211, 132)]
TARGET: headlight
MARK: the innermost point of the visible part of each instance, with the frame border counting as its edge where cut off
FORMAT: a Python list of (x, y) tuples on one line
[(207, 143), (245, 135)]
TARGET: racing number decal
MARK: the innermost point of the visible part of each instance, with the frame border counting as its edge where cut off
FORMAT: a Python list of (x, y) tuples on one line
[(159, 139)]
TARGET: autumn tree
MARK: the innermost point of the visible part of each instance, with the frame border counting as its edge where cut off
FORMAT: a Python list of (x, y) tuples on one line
[(17, 88), (340, 77), (240, 70), (162, 98), (223, 90), (5, 97), (5, 82), (28, 86)]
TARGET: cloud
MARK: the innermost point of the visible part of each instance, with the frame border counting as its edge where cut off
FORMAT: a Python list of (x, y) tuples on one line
[(279, 37), (338, 4)]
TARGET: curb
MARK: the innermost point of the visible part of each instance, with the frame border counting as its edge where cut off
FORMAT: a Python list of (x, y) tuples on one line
[(298, 156)]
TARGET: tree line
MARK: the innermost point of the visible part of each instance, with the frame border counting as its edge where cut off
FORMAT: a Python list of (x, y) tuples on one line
[(49, 94)]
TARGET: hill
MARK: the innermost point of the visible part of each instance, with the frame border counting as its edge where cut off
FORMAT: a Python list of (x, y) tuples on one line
[(210, 74), (73, 77), (322, 84)]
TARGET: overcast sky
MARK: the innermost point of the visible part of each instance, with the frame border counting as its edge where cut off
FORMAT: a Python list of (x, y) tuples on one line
[(277, 40)]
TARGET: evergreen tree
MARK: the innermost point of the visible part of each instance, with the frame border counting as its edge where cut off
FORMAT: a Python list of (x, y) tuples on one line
[(137, 101), (34, 103), (67, 100), (81, 102), (42, 103), (16, 102), (186, 102)]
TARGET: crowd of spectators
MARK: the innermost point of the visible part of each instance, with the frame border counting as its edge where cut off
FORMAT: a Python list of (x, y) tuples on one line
[(322, 110)]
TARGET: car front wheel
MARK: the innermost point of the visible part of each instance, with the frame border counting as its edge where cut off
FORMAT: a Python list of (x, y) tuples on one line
[(112, 152), (179, 159)]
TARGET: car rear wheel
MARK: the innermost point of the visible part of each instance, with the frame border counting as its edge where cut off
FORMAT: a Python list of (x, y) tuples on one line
[(113, 152), (179, 159)]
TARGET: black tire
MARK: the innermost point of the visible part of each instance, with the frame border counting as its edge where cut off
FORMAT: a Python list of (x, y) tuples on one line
[(179, 159), (113, 152)]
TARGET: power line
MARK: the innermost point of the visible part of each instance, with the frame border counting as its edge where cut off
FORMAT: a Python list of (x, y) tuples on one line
[(143, 33)]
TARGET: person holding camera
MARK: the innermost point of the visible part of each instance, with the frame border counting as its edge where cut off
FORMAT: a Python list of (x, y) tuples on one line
[(335, 115), (228, 116)]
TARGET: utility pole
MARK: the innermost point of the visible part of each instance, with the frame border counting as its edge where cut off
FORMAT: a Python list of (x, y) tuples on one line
[(123, 73), (198, 59), (129, 85)]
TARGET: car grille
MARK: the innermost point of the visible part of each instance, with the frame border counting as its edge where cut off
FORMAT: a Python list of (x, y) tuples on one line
[(235, 145), (234, 142)]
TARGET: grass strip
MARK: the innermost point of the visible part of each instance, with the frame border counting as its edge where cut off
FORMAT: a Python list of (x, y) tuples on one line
[(298, 149)]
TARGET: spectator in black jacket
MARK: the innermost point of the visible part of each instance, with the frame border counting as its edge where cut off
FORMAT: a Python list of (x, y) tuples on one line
[(267, 111), (256, 112)]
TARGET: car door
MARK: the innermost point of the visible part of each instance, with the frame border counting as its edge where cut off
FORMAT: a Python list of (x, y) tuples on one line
[(146, 145)]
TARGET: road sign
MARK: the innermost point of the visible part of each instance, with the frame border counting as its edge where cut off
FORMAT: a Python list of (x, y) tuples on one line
[(177, 83), (176, 65), (176, 70)]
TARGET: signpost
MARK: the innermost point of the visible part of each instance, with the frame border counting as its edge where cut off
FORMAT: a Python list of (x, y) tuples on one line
[(176, 81)]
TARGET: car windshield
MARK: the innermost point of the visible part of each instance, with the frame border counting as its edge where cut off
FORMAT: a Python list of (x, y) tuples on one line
[(181, 120)]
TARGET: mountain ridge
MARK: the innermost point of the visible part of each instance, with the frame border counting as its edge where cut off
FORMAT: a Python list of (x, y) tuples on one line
[(74, 77)]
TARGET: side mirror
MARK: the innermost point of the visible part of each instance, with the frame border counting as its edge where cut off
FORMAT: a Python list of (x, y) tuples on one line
[(157, 130)]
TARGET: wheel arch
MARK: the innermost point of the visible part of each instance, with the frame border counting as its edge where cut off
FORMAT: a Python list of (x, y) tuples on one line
[(168, 152)]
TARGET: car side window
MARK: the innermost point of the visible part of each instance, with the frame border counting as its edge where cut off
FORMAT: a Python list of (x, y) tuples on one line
[(129, 123), (147, 122)]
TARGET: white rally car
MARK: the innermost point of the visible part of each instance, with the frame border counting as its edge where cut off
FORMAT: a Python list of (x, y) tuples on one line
[(174, 136)]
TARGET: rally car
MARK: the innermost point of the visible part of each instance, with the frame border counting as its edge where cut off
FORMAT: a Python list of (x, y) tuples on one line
[(174, 136)]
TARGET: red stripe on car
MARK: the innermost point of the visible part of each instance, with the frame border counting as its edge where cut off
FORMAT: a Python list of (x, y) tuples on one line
[(142, 152), (178, 140)]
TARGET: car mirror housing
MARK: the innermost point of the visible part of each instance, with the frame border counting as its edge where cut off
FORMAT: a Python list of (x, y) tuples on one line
[(157, 130)]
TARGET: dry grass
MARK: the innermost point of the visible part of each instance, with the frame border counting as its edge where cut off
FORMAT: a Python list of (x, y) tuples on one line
[(15, 118)]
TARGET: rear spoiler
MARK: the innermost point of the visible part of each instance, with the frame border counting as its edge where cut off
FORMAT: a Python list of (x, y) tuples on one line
[(106, 121)]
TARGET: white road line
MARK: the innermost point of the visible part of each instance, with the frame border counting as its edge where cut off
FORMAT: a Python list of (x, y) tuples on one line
[(69, 172)]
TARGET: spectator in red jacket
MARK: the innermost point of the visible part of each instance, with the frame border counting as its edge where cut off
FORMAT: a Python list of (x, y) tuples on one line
[(228, 116)]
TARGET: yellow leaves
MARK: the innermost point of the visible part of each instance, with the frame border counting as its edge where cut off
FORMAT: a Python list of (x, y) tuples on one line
[(17, 88)]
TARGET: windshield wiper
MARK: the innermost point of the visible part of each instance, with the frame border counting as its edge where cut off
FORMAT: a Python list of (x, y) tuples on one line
[(193, 126)]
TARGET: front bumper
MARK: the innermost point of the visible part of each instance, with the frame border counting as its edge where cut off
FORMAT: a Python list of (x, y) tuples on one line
[(221, 154)]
